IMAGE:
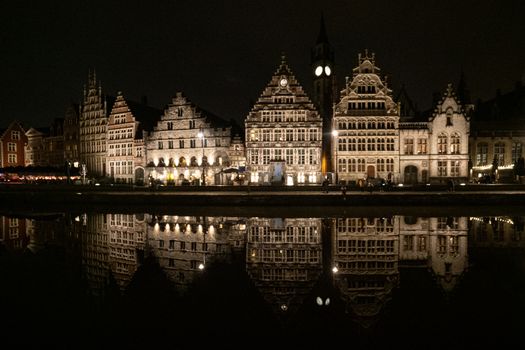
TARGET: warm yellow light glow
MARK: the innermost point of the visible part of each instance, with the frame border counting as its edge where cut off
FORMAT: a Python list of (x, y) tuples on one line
[(318, 70), (335, 269)]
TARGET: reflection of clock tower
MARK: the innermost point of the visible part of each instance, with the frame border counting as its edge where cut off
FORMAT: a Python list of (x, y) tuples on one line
[(324, 94)]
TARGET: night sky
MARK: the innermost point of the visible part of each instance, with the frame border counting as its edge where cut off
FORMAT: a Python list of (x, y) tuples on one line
[(222, 54)]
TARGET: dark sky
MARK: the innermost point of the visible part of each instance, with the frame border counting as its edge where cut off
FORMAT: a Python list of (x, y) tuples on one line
[(222, 54)]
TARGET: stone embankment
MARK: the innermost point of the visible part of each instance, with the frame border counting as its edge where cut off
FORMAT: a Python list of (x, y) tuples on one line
[(507, 198)]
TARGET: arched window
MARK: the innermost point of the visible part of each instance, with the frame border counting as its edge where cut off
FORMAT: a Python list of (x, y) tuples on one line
[(182, 161), (455, 141), (442, 143)]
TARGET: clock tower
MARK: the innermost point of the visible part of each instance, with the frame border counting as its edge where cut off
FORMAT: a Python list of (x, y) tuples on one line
[(325, 89)]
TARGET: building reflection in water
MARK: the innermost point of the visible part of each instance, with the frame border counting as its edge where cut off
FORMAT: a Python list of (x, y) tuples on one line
[(284, 260), (289, 260)]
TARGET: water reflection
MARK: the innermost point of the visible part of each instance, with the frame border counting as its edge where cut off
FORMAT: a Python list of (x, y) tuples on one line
[(350, 267)]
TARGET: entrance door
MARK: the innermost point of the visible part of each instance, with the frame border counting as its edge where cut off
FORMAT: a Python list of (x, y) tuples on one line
[(139, 176), (278, 173), (410, 177), (370, 171)]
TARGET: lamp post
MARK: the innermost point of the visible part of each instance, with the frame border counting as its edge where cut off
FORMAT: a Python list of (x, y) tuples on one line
[(201, 136), (335, 135)]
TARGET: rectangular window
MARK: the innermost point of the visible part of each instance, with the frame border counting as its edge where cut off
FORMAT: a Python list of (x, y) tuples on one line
[(421, 146), (301, 135), (352, 165), (278, 154), (192, 143), (390, 165), (482, 150), (313, 156), (454, 168), (15, 135), (170, 125), (361, 144), (409, 146), (352, 144), (170, 144), (390, 144), (341, 165), (342, 144), (442, 168), (181, 143), (371, 144), (313, 134), (289, 156), (289, 135), (161, 145), (11, 158), (11, 147), (301, 156), (380, 165), (277, 135), (361, 165), (266, 156), (516, 152), (499, 153), (255, 156), (266, 135)]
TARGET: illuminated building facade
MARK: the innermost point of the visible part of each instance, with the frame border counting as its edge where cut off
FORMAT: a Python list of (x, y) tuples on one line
[(93, 127), (284, 134), (186, 143), (365, 126), (436, 148), (127, 128), (12, 145)]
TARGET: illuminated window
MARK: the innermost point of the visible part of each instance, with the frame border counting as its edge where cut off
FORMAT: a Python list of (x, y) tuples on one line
[(516, 151), (482, 150), (11, 147), (442, 144), (455, 144), (442, 167), (499, 152), (421, 146)]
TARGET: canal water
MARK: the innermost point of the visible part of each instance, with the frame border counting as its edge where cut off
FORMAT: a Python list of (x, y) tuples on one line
[(137, 280)]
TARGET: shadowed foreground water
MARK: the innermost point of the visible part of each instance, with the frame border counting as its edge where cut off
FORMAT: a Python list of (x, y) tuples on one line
[(78, 279)]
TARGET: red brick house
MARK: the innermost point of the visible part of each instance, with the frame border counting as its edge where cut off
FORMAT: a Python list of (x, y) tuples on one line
[(12, 144)]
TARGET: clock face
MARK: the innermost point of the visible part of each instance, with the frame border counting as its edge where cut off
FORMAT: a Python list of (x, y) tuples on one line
[(318, 70), (327, 70), (283, 82)]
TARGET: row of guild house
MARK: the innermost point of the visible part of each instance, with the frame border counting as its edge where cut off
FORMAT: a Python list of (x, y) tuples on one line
[(347, 135)]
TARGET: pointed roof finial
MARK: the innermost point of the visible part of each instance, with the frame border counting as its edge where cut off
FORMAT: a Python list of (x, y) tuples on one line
[(283, 58), (450, 90), (322, 37)]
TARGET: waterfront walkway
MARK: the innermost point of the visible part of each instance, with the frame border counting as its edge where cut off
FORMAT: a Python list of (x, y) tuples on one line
[(503, 198)]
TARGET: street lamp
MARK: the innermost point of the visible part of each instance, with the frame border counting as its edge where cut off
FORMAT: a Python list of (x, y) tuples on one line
[(335, 134), (200, 135)]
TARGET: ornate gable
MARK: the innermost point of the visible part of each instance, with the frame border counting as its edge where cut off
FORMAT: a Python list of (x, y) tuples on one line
[(283, 91)]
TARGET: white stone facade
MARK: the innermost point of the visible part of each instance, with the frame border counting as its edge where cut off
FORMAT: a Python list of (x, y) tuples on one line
[(436, 150), (122, 157), (93, 125), (283, 134), (185, 143), (365, 126)]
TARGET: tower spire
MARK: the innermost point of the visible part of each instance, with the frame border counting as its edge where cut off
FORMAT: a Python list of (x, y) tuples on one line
[(322, 37)]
